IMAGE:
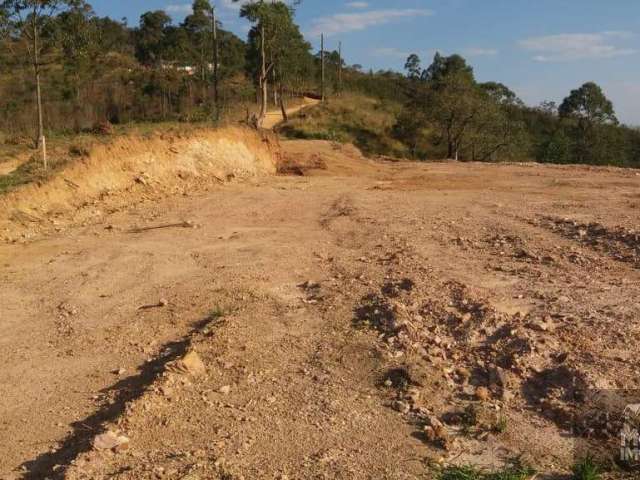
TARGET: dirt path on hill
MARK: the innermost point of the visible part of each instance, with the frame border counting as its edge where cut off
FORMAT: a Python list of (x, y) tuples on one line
[(341, 315), (275, 117)]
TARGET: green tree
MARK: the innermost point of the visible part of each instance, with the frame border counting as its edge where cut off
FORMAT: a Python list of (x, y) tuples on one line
[(589, 103), (589, 110), (200, 29), (77, 37), (151, 38), (501, 94), (25, 20), (272, 22), (443, 68), (413, 67), (453, 101)]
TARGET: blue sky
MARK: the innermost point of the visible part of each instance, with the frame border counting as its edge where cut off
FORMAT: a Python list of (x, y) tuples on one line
[(540, 48)]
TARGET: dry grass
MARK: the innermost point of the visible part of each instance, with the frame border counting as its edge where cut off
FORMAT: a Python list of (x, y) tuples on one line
[(352, 118)]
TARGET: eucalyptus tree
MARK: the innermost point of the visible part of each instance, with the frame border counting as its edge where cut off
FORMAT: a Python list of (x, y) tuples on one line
[(25, 21), (271, 20), (200, 28), (151, 38), (76, 35)]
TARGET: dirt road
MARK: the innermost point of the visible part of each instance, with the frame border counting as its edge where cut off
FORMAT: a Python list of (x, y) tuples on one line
[(275, 117), (340, 315)]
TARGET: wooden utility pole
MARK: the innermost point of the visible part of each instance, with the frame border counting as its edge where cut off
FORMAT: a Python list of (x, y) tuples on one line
[(340, 68), (216, 60), (43, 146), (322, 63)]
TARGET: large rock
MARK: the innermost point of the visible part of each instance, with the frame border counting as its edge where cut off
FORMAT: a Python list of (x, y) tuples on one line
[(110, 441), (190, 364)]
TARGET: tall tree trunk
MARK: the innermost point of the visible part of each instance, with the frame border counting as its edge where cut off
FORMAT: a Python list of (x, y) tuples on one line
[(77, 108), (283, 107), (36, 71), (340, 68), (322, 65), (216, 60), (263, 77)]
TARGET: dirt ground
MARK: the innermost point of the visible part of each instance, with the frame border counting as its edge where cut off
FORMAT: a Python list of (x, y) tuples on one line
[(356, 319)]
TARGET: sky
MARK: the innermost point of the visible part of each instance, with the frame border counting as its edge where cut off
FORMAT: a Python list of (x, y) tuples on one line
[(541, 49)]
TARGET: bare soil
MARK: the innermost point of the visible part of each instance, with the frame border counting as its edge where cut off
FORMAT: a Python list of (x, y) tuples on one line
[(358, 319)]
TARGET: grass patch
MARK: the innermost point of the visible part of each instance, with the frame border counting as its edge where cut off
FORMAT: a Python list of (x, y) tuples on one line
[(500, 425), (586, 469), (511, 472), (30, 171), (357, 119)]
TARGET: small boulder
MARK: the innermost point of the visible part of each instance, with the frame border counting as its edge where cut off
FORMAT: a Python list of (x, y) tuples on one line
[(191, 363), (483, 394), (110, 441)]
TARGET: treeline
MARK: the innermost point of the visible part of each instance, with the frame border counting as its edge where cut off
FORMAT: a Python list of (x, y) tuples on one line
[(84, 70), (448, 114)]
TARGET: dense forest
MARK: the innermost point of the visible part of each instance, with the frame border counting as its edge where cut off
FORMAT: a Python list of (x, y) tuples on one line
[(64, 69)]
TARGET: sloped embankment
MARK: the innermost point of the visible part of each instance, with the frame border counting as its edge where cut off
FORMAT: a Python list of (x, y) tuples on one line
[(136, 167)]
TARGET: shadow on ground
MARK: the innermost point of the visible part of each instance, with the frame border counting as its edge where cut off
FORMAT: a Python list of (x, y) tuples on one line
[(53, 465)]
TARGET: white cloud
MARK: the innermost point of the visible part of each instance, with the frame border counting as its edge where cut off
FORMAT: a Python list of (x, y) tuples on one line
[(390, 52), (230, 4), (578, 46), (179, 9), (350, 22), (480, 52), (357, 5)]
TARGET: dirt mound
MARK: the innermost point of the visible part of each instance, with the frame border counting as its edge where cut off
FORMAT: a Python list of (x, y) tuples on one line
[(325, 158), (134, 167)]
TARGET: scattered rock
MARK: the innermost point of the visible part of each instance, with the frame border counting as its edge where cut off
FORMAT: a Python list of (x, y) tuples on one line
[(438, 434), (110, 441), (310, 285), (401, 406), (191, 363), (483, 394), (464, 374), (434, 421), (225, 390), (413, 396)]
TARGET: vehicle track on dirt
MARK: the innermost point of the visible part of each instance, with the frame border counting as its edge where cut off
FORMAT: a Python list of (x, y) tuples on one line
[(347, 311)]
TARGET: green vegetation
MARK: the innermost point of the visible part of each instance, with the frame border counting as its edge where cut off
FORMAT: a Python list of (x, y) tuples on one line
[(364, 121), (511, 472), (81, 72), (469, 418), (501, 424), (26, 173), (449, 114), (91, 70), (586, 469)]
